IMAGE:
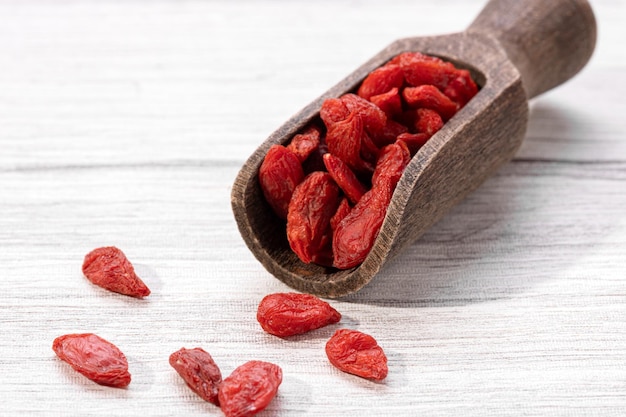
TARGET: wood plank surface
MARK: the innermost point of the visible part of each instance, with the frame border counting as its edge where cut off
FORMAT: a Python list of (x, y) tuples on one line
[(125, 123)]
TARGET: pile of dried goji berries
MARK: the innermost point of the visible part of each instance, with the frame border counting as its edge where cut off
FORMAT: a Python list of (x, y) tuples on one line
[(333, 181)]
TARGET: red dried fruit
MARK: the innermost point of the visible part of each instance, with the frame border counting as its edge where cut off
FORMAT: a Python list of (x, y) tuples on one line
[(430, 97), (344, 140), (289, 314), (279, 174), (389, 102), (393, 159), (333, 110), (462, 88), (414, 141), (428, 121), (355, 235), (249, 389), (109, 268), (374, 119), (392, 131), (313, 203), (357, 353), (199, 371), (381, 80), (303, 144), (342, 211), (94, 357), (344, 177), (420, 69), (406, 58)]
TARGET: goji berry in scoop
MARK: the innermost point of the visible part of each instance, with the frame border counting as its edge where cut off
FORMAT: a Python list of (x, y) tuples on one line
[(94, 357), (289, 314), (305, 143), (199, 371), (357, 353), (428, 96), (109, 268), (312, 205), (279, 174), (249, 389), (344, 177), (381, 80), (356, 233)]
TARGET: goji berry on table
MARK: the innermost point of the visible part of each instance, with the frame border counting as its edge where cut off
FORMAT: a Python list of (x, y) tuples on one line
[(357, 353), (94, 357), (109, 268), (289, 314), (279, 174), (249, 389), (314, 202), (199, 371)]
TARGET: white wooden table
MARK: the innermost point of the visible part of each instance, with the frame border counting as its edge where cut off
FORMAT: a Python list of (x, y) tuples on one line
[(125, 123)]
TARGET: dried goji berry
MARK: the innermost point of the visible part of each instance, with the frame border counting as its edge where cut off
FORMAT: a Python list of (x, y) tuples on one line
[(389, 102), (199, 371), (356, 233), (430, 97), (342, 211), (280, 173), (357, 353), (406, 58), (381, 80), (109, 268), (462, 88), (289, 314), (420, 69), (374, 119), (333, 110), (344, 139), (249, 389), (390, 166), (94, 357), (428, 121), (414, 141), (344, 177), (303, 144), (314, 202), (392, 130)]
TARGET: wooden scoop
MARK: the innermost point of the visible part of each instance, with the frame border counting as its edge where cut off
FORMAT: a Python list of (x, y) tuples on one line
[(515, 50)]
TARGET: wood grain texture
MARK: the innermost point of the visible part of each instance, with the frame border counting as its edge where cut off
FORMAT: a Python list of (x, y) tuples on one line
[(126, 123)]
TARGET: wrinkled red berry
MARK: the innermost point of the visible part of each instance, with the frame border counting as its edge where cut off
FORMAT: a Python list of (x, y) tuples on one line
[(199, 371), (249, 389), (280, 173), (109, 268), (289, 314), (357, 353), (313, 204), (94, 357)]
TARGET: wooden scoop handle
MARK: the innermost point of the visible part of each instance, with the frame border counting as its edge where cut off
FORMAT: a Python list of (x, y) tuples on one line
[(548, 41)]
